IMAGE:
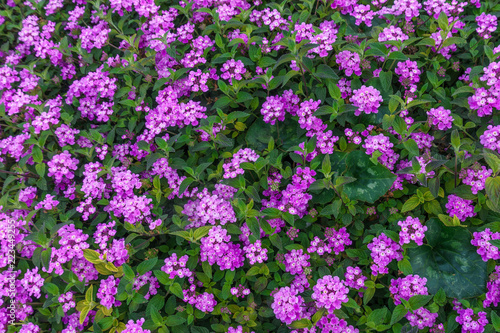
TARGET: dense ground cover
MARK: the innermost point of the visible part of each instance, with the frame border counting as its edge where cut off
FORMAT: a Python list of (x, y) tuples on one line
[(237, 166)]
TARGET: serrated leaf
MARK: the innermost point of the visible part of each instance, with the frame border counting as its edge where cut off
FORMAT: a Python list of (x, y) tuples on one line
[(146, 265)]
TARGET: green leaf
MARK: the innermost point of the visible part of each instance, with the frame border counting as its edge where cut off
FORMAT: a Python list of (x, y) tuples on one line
[(410, 204), (412, 148), (449, 261), (174, 320), (184, 185), (46, 255), (37, 154), (92, 256), (495, 320), (443, 21), (303, 323), (325, 72), (397, 55), (259, 134), (146, 265), (453, 41), (372, 181), (386, 80), (495, 242), (128, 272), (418, 301), (176, 289), (440, 297), (83, 314), (51, 288), (398, 313)]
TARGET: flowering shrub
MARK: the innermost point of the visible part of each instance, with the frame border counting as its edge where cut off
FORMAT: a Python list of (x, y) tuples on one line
[(199, 166)]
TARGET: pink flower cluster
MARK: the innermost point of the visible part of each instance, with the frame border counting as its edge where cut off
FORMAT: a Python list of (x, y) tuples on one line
[(240, 291), (411, 230), (367, 99), (217, 248), (487, 25), (462, 208), (296, 261), (392, 33), (287, 305), (95, 92), (491, 138), (275, 107), (440, 118), (383, 251), (176, 266), (329, 293), (471, 322), (135, 327), (149, 280), (354, 277), (485, 249), (337, 240), (233, 69), (107, 292), (255, 253), (382, 144), (492, 75), (67, 301), (407, 287), (493, 289), (409, 74), (232, 168), (349, 61), (209, 208), (475, 177), (421, 318)]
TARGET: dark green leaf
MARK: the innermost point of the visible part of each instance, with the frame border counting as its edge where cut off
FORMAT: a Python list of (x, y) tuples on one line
[(372, 181), (449, 261)]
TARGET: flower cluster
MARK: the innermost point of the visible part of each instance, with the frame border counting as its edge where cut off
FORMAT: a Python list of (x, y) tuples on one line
[(471, 322), (287, 305), (349, 62), (462, 208), (217, 248), (407, 287), (487, 25), (135, 327), (107, 292), (329, 293), (296, 261), (382, 144), (491, 138), (232, 168), (337, 239), (255, 253), (440, 118), (209, 209), (383, 251), (149, 280), (485, 249), (233, 69), (493, 289), (240, 291), (367, 99), (354, 277), (67, 301), (176, 266), (411, 230), (421, 318), (475, 177), (409, 74)]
